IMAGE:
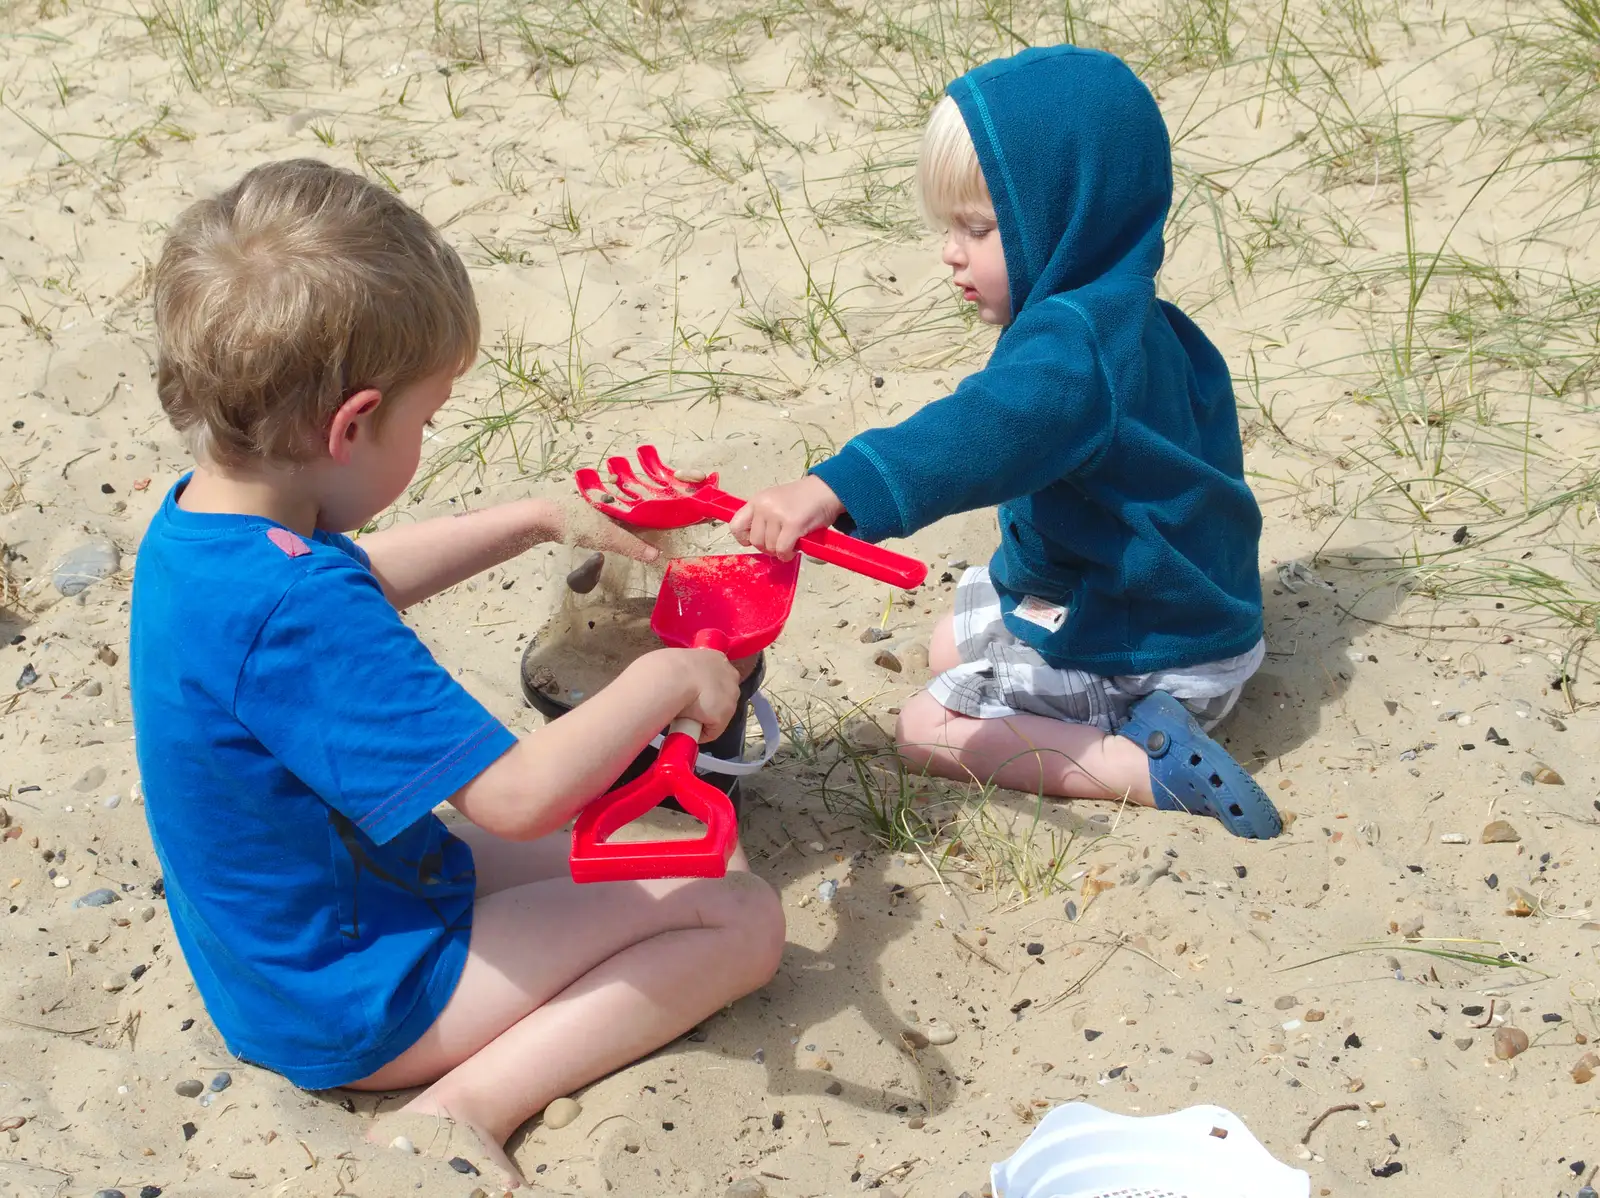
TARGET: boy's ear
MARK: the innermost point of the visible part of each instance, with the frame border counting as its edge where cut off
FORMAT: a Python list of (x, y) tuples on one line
[(350, 422)]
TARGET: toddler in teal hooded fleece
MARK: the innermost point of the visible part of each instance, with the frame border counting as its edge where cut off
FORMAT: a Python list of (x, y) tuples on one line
[(1123, 607)]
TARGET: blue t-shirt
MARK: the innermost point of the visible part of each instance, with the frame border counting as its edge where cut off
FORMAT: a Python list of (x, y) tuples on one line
[(293, 739)]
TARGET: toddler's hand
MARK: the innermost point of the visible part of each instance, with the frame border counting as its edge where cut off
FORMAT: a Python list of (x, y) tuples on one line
[(779, 516), (716, 688)]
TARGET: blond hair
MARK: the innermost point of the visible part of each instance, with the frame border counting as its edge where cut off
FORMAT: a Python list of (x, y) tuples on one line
[(949, 180), (292, 290)]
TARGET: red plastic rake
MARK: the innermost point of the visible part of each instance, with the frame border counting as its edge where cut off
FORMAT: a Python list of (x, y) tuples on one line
[(663, 500)]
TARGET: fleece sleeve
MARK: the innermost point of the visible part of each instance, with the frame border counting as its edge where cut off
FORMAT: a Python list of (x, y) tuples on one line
[(1038, 412)]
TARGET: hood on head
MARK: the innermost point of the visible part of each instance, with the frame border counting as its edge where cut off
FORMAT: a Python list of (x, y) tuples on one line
[(1076, 156)]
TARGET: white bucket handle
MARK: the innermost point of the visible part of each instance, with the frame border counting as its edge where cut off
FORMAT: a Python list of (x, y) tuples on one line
[(768, 719)]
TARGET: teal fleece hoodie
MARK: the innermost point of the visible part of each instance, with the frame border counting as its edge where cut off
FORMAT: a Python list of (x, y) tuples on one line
[(1104, 424)]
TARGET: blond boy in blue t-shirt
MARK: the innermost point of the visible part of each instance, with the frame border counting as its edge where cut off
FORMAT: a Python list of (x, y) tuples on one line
[(294, 736)]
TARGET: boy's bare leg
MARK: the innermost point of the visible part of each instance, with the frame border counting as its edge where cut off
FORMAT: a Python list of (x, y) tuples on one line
[(1030, 753), (565, 983)]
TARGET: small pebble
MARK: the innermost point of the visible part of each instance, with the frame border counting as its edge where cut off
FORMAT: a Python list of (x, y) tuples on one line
[(462, 1165), (221, 1082), (1035, 948), (1388, 1170), (146, 914), (1454, 838), (1509, 1042), (1091, 1035), (870, 636), (1463, 1042), (834, 1088), (747, 1187), (586, 577), (103, 897), (186, 1025), (28, 677), (1241, 871), (1200, 1058), (1315, 1016), (939, 1032), (138, 971), (826, 889), (1548, 777), (1287, 1002), (150, 1192), (403, 1144), (1500, 832), (109, 1194), (112, 985), (1352, 1041), (85, 565), (189, 1088), (92, 690), (190, 1131), (561, 1112), (111, 801), (885, 659), (1551, 1017)]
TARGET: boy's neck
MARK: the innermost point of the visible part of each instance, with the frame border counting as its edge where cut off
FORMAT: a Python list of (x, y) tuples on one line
[(278, 493)]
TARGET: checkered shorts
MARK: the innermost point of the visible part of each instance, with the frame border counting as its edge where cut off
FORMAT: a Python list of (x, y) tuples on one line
[(1001, 676)]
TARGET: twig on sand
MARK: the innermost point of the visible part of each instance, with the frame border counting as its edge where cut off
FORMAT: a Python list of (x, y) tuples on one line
[(979, 953), (55, 1031), (1084, 980), (1333, 1110)]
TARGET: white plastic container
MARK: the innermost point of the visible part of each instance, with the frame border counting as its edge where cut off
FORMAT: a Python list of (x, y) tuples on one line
[(1080, 1151)]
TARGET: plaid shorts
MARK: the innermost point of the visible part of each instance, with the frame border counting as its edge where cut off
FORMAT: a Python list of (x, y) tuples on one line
[(1001, 676)]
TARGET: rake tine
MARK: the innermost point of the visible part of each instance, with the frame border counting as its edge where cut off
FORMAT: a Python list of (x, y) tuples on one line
[(595, 491), (668, 477), (659, 470), (626, 481)]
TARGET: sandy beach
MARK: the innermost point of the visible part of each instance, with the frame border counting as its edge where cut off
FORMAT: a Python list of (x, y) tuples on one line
[(689, 225)]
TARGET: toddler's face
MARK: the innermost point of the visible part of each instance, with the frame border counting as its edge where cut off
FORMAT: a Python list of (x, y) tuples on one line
[(977, 262)]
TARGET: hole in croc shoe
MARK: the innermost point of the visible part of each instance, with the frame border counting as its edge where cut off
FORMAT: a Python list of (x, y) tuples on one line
[(1194, 759), (1216, 781), (1235, 809)]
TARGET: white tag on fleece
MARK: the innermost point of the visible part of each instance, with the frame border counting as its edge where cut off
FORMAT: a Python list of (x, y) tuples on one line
[(1049, 616)]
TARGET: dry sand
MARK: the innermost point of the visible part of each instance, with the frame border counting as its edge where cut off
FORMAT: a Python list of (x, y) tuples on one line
[(689, 225)]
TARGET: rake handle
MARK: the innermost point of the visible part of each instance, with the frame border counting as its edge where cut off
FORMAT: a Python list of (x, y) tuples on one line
[(832, 546)]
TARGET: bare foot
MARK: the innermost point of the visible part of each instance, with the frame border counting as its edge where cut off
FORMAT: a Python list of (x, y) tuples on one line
[(438, 1133)]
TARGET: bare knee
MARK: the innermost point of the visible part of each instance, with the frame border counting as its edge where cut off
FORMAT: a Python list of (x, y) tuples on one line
[(942, 652), (751, 913), (919, 729)]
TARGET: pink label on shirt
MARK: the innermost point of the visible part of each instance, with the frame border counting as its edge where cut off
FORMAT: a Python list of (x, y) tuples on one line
[(285, 540)]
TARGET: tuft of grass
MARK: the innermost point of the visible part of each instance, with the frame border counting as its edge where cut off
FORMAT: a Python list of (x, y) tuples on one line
[(213, 41)]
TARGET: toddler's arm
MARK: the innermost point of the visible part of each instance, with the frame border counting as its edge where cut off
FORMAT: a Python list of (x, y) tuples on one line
[(1040, 411), (414, 561), (541, 782)]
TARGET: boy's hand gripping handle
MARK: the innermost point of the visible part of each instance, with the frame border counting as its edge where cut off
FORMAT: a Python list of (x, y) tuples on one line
[(594, 859)]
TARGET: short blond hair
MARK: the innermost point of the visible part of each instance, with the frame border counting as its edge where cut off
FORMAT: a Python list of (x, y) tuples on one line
[(950, 182), (292, 290)]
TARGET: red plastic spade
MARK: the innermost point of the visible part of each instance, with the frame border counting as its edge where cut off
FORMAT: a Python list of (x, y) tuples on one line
[(738, 605), (663, 500)]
